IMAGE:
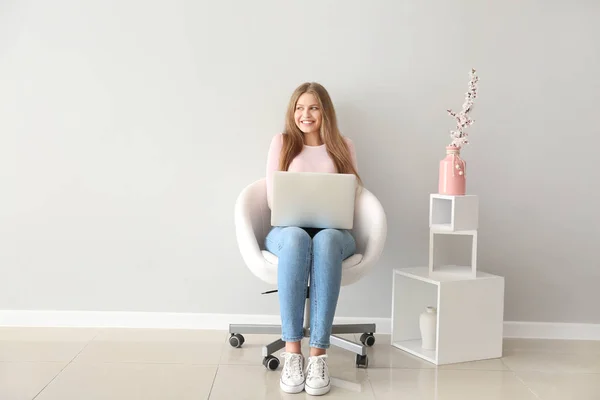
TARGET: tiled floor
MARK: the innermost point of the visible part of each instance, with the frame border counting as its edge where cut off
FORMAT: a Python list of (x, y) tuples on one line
[(65, 364)]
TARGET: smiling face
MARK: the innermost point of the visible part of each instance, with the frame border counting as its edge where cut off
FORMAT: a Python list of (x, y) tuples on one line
[(307, 115)]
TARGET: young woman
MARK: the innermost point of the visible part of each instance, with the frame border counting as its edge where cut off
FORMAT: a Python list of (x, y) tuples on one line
[(311, 143)]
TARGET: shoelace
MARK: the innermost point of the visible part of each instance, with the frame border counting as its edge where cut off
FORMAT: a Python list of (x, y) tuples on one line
[(294, 362), (317, 367)]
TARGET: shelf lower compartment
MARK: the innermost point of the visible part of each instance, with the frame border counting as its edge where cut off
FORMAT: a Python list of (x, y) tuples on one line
[(414, 347), (469, 320)]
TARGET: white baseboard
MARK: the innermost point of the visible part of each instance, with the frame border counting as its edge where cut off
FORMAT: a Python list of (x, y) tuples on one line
[(158, 320), (551, 330)]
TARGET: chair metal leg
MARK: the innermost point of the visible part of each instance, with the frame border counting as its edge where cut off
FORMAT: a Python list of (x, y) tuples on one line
[(348, 345), (273, 347), (353, 328)]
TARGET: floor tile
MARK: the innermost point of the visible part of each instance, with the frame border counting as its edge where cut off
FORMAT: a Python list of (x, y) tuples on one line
[(47, 334), (43, 344), (544, 361), (129, 381), (485, 365), (241, 382), (562, 386), (162, 335), (155, 346), (23, 380), (39, 351), (427, 384)]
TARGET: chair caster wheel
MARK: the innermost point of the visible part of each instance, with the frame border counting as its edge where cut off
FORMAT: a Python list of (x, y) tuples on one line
[(362, 361), (367, 339), (271, 362), (236, 340)]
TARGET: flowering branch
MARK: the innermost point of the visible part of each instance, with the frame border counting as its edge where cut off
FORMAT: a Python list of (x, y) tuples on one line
[(459, 136)]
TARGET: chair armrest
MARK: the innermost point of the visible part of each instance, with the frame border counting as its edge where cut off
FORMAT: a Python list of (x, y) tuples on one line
[(251, 225), (370, 228)]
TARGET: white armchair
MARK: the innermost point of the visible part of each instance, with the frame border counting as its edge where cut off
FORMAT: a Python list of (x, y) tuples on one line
[(253, 223)]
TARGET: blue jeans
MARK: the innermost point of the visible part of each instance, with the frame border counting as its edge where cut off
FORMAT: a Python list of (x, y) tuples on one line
[(303, 256)]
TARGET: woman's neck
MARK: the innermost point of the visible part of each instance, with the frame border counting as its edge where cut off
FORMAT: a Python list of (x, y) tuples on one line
[(312, 139)]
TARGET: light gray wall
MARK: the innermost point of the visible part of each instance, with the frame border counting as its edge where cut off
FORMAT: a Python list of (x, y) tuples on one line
[(128, 128)]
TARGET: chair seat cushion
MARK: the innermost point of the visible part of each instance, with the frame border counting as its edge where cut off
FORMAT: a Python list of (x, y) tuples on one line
[(349, 262)]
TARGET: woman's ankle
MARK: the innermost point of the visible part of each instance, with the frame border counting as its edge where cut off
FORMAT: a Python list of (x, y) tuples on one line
[(315, 351), (293, 347)]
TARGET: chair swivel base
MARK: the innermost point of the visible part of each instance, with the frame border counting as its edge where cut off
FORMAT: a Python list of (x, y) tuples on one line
[(272, 363)]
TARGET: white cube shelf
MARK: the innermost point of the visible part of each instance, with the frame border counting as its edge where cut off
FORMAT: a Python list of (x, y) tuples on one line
[(453, 213), (453, 250), (469, 320)]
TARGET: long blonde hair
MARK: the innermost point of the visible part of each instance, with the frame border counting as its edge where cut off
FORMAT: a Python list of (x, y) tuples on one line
[(293, 139)]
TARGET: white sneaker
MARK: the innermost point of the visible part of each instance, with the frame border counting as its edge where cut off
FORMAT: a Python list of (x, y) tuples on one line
[(292, 375), (317, 376)]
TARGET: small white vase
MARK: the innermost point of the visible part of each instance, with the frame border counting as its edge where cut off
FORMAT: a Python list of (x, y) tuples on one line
[(428, 325)]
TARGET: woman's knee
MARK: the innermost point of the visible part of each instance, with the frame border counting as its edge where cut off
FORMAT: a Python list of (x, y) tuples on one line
[(328, 237), (334, 239), (296, 237)]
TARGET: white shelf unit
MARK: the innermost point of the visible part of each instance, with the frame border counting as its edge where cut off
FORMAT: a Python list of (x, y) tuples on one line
[(445, 248), (470, 313), (453, 213)]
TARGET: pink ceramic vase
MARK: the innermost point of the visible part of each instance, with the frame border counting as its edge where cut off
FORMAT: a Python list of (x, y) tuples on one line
[(452, 173)]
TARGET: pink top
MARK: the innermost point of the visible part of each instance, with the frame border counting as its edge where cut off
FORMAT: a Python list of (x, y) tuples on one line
[(310, 159)]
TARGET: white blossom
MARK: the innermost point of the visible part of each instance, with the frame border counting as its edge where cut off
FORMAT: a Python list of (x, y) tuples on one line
[(459, 136)]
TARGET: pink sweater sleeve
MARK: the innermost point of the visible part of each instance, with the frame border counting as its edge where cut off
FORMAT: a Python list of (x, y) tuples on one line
[(273, 163)]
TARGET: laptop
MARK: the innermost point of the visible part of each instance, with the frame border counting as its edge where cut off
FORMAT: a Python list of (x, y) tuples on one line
[(313, 200)]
